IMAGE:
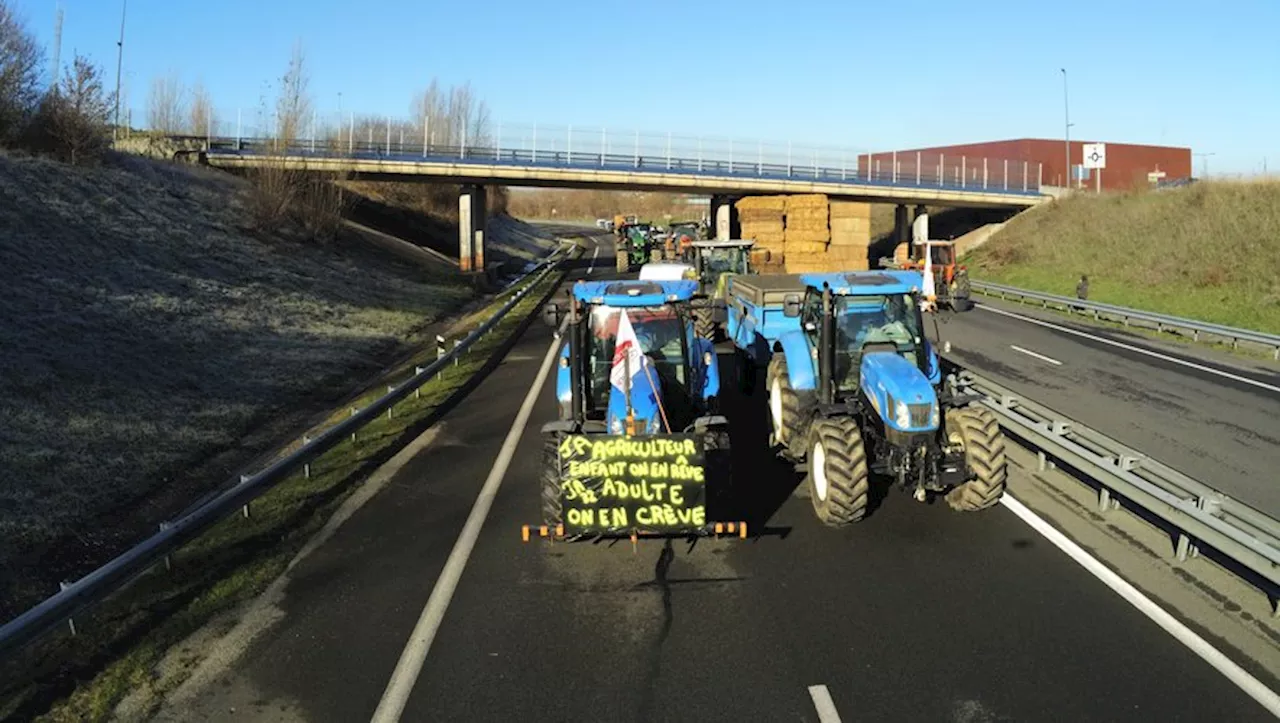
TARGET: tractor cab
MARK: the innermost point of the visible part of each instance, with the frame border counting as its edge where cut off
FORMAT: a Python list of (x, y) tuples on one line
[(632, 364), (868, 334)]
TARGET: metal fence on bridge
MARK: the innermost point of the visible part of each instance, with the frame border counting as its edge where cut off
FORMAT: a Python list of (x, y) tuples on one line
[(585, 147)]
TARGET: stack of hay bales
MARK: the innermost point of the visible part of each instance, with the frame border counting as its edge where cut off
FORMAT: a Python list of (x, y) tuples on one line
[(806, 234), (761, 218), (850, 235)]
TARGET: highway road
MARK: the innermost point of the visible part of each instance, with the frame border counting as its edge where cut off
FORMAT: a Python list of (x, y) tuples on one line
[(916, 614), (1208, 415)]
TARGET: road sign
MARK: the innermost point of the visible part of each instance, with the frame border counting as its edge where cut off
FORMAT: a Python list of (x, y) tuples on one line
[(1095, 155)]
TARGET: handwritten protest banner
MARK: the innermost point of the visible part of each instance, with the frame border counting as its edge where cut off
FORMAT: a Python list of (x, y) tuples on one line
[(618, 484)]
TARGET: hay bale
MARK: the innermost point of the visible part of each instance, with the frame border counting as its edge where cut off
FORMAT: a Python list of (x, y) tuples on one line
[(755, 221), (850, 209), (807, 201), (805, 247), (770, 203), (850, 239), (766, 257), (853, 258), (767, 239), (804, 235), (851, 225), (806, 224)]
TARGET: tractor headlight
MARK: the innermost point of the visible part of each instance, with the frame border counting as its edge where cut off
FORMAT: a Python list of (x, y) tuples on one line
[(935, 418), (616, 426), (901, 415)]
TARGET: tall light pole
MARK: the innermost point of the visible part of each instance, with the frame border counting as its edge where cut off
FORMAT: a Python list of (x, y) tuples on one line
[(1204, 164), (124, 6), (1066, 132)]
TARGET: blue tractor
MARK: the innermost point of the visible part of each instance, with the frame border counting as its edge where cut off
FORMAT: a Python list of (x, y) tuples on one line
[(854, 387), (631, 367)]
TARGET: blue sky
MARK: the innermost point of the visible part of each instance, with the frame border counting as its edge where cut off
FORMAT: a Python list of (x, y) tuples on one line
[(891, 74)]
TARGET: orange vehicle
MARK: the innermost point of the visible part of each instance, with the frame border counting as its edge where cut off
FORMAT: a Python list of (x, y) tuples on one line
[(950, 279)]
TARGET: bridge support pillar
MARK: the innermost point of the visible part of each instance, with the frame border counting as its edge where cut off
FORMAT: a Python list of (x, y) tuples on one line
[(472, 211), (901, 225), (725, 217)]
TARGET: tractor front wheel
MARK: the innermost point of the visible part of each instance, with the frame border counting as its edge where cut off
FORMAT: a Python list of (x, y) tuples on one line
[(976, 428), (838, 480), (788, 413), (552, 507)]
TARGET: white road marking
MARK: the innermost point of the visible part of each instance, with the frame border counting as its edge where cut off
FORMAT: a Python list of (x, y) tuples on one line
[(396, 694), (1041, 357), (594, 254), (1130, 347), (1253, 687), (822, 701)]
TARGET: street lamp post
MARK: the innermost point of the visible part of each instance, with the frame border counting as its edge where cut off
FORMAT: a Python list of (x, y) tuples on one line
[(1204, 164), (1066, 132)]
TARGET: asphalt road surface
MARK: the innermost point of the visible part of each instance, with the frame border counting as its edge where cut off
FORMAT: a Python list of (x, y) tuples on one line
[(1222, 430), (916, 614)]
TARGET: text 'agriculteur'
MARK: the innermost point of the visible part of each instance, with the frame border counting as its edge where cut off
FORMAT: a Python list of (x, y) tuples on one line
[(622, 484)]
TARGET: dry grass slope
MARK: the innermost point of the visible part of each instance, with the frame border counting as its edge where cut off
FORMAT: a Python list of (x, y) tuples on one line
[(1210, 251), (146, 330)]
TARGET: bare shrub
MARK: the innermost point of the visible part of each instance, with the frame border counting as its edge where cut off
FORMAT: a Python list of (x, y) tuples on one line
[(165, 104), (20, 59), (72, 121), (283, 194), (200, 119)]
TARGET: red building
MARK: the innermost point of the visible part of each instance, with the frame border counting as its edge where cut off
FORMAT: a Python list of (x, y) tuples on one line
[(1041, 161)]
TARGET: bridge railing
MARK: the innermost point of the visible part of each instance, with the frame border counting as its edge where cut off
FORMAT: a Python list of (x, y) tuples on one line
[(580, 147)]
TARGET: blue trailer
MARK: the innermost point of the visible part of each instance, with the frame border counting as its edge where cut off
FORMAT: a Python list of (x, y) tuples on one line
[(854, 386)]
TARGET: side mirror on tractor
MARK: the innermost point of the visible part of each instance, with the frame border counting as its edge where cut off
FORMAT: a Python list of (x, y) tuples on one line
[(791, 306), (551, 315)]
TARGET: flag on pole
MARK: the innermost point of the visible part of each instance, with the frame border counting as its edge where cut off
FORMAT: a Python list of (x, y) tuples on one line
[(627, 356)]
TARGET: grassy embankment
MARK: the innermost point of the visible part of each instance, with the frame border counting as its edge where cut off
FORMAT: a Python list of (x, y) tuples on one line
[(158, 342), (1210, 251)]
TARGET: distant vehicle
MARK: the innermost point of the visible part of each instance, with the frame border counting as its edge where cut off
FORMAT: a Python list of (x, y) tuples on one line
[(950, 279), (667, 271)]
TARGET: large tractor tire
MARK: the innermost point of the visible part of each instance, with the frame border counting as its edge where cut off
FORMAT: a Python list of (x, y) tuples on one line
[(788, 412), (704, 324), (976, 428), (552, 509), (837, 480), (622, 257)]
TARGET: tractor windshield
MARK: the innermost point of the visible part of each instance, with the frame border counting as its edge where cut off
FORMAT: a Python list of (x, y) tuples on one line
[(717, 261), (886, 322), (942, 254), (658, 329)]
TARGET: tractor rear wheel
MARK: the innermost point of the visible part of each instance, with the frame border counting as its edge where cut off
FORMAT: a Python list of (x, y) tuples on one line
[(788, 412), (976, 428), (838, 480), (552, 508), (704, 324)]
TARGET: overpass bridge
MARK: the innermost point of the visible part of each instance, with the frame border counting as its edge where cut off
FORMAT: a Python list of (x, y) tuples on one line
[(714, 169)]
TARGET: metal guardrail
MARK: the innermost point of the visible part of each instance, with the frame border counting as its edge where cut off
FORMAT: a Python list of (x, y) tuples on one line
[(98, 584), (1125, 315), (1199, 514), (929, 172)]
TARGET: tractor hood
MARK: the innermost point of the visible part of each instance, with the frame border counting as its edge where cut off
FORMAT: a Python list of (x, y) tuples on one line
[(899, 392)]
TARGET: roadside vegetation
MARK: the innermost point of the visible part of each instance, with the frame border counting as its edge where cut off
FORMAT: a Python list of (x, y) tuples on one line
[(1208, 251), (121, 643)]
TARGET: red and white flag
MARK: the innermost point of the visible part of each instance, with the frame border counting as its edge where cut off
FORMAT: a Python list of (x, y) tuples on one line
[(627, 355)]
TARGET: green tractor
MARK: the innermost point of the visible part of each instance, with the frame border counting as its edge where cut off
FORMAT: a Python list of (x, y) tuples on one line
[(715, 262), (632, 246)]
